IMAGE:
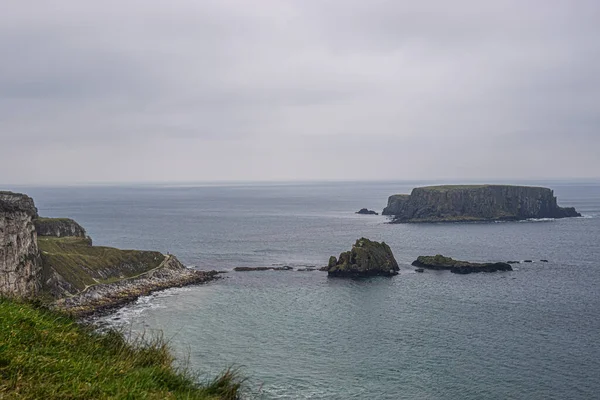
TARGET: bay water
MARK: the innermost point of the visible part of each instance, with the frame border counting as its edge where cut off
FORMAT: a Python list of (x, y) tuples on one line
[(533, 333)]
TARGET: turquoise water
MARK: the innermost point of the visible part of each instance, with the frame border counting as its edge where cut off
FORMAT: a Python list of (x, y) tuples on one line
[(531, 333)]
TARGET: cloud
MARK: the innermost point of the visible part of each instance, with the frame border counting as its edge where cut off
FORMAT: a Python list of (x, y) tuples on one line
[(288, 89)]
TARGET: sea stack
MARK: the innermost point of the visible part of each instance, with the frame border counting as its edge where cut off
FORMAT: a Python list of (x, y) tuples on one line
[(466, 203), (366, 258)]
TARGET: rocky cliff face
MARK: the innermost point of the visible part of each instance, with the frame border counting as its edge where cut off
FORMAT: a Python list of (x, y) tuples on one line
[(58, 227), (476, 203), (20, 266)]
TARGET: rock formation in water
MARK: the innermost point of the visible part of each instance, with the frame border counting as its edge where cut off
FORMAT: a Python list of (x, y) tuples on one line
[(457, 266), (367, 258), (58, 227), (365, 211), (454, 203), (20, 266)]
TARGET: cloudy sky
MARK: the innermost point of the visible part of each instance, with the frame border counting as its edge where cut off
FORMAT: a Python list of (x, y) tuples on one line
[(197, 90)]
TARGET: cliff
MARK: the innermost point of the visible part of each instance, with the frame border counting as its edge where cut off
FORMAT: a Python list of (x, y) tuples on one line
[(20, 267), (61, 262), (58, 227), (453, 203)]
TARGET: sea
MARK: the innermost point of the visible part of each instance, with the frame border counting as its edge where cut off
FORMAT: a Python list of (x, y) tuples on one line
[(533, 333)]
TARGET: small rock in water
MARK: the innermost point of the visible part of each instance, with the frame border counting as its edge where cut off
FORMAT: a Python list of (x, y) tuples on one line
[(543, 260), (419, 270), (527, 261), (365, 211)]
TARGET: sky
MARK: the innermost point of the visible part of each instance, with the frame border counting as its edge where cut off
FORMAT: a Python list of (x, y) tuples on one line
[(124, 91)]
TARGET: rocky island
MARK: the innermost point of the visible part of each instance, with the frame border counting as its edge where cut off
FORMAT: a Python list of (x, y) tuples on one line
[(366, 258), (55, 259), (466, 203), (366, 211), (458, 267)]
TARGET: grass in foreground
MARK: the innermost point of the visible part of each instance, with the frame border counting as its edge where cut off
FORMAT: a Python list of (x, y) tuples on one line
[(48, 355)]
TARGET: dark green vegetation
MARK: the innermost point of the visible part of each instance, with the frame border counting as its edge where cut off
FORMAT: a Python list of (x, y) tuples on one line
[(45, 355), (458, 267), (470, 203), (367, 258), (81, 264)]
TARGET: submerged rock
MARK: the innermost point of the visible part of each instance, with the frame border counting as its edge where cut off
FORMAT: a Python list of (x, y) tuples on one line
[(367, 258), (365, 211), (458, 267)]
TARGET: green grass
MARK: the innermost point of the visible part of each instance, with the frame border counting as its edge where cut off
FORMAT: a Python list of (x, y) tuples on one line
[(46, 355), (443, 188), (81, 264)]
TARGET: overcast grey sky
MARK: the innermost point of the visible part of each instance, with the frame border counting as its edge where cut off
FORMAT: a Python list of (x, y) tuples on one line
[(123, 90)]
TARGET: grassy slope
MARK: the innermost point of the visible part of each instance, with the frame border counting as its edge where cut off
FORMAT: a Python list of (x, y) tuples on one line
[(81, 264), (47, 355)]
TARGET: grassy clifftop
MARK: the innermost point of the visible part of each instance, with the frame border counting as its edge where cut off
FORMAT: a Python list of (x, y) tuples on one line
[(446, 188), (81, 264), (48, 355)]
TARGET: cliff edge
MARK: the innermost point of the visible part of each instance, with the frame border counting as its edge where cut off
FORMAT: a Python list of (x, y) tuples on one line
[(20, 266), (463, 203)]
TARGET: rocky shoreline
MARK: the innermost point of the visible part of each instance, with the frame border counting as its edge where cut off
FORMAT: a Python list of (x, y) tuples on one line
[(104, 298)]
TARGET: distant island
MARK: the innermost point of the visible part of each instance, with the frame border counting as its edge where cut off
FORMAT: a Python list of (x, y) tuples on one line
[(470, 203)]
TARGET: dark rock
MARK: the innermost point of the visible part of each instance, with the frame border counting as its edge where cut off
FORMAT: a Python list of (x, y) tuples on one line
[(543, 260), (466, 203), (58, 227), (528, 261), (365, 211), (367, 258), (284, 268), (513, 262), (458, 267), (245, 269), (419, 270)]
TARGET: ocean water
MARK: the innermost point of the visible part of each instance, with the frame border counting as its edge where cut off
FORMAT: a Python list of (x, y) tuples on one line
[(533, 333)]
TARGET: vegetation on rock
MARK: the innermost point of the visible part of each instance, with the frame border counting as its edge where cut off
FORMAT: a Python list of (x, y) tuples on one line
[(367, 258), (458, 267), (73, 260)]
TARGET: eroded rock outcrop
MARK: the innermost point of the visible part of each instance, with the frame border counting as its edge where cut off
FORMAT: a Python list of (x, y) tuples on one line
[(59, 227), (20, 266), (461, 203), (367, 258), (458, 267)]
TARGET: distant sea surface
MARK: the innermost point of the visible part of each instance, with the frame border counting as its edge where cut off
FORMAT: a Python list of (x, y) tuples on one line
[(533, 333)]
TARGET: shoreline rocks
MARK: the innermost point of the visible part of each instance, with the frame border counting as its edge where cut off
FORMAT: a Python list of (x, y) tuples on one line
[(366, 258), (439, 262), (103, 298)]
